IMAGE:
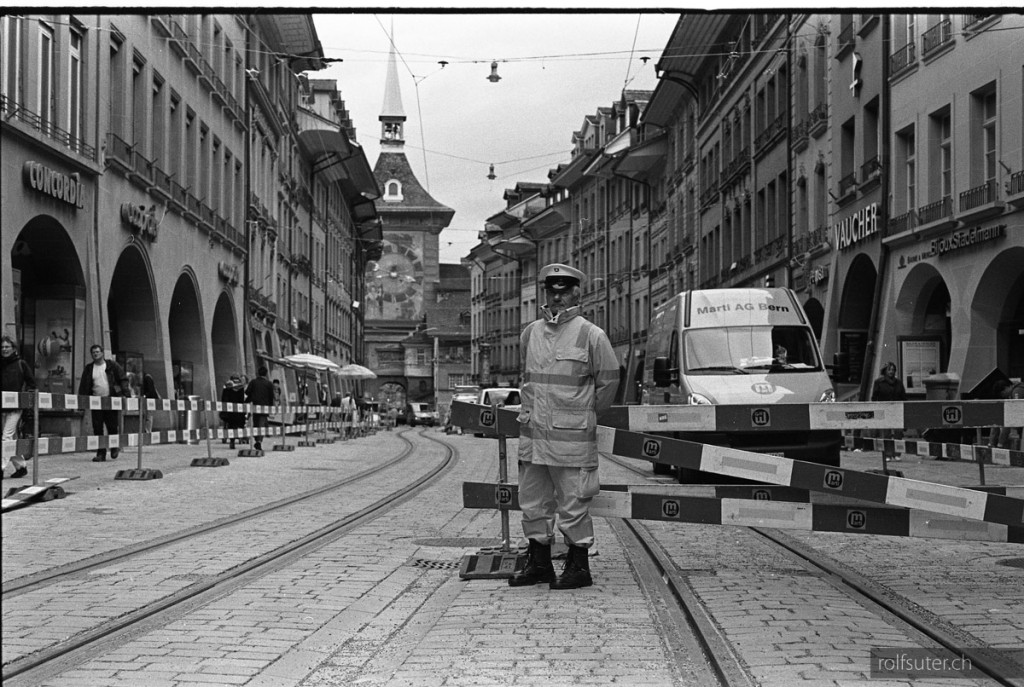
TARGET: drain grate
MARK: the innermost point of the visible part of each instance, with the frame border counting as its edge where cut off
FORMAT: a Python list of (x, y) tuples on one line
[(434, 565)]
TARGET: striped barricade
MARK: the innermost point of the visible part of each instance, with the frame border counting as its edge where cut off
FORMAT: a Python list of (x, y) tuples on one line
[(674, 505), (887, 490), (941, 451)]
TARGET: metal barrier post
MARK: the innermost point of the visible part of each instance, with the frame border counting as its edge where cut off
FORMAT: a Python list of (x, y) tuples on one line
[(207, 423), (142, 427), (503, 479), (35, 438)]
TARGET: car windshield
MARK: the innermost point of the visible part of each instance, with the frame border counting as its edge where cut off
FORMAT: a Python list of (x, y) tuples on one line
[(419, 407), (741, 350), (501, 397)]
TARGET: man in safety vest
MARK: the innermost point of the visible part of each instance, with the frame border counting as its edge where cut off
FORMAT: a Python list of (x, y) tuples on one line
[(570, 374)]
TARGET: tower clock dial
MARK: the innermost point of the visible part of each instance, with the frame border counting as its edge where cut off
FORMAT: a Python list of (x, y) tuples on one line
[(399, 273)]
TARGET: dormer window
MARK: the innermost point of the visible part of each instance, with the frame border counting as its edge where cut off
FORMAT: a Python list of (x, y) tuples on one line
[(393, 190)]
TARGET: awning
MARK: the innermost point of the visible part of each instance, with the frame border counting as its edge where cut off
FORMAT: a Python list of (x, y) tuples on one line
[(571, 173), (516, 245), (344, 162), (551, 217), (640, 161), (327, 148)]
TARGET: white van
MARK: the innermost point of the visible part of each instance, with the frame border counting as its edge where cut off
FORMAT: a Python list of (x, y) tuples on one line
[(743, 347)]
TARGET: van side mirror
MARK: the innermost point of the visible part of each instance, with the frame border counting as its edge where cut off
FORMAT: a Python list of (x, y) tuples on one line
[(663, 374)]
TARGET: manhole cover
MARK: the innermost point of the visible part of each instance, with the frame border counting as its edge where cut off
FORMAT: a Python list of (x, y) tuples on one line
[(457, 542), (1012, 562)]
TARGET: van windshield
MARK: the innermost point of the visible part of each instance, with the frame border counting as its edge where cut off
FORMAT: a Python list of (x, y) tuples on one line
[(740, 350)]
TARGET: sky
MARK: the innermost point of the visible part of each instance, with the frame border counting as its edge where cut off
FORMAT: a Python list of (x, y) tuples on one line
[(555, 70)]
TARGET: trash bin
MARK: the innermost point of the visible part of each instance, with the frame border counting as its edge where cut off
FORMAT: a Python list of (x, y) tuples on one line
[(190, 420), (943, 386)]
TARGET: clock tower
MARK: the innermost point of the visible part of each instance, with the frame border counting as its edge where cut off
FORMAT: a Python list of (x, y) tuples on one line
[(401, 286)]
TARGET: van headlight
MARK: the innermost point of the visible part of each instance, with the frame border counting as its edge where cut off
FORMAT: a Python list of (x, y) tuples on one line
[(827, 396), (698, 400)]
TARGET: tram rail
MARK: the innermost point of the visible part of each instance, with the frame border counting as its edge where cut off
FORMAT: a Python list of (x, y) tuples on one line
[(724, 664), (59, 657)]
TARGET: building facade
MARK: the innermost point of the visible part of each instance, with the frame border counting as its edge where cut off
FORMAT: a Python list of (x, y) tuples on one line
[(871, 162), (158, 200)]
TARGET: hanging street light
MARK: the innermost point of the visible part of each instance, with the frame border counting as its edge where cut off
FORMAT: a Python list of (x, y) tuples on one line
[(494, 78)]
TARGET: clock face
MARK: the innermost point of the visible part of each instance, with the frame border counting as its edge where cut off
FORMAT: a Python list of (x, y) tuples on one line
[(399, 272), (395, 283)]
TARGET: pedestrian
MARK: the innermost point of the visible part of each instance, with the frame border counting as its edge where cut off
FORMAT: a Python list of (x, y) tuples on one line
[(260, 391), (17, 376), (888, 387), (104, 377), (570, 375), (233, 392), (149, 391)]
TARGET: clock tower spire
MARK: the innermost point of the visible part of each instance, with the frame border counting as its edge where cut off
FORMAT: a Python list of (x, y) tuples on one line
[(392, 116)]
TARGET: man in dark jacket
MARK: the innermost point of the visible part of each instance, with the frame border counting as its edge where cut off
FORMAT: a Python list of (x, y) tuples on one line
[(105, 378), (17, 376), (260, 392)]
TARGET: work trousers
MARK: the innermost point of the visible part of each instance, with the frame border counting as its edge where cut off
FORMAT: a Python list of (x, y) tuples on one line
[(10, 432), (108, 419), (549, 490), (259, 421)]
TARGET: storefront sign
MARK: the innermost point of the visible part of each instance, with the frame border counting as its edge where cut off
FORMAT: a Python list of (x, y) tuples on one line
[(141, 221), (966, 238), (857, 227), (64, 187), (819, 274), (228, 273)]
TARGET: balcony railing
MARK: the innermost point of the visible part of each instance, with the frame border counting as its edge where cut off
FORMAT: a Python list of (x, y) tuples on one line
[(934, 38), (870, 168), (972, 21), (902, 58), (933, 212), (774, 129), (1015, 184), (818, 119), (979, 195), (901, 223), (12, 110), (847, 184)]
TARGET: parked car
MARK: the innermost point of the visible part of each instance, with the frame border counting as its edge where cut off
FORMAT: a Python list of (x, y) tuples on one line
[(420, 414), (503, 397)]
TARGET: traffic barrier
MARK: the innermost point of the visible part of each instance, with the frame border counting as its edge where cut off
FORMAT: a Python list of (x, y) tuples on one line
[(881, 489), (47, 491), (939, 450), (852, 518), (42, 446)]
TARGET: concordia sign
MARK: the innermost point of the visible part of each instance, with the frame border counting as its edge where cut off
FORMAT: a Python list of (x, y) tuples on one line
[(857, 226), (67, 188)]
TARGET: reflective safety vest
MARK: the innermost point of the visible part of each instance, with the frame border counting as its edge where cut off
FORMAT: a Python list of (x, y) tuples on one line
[(570, 374)]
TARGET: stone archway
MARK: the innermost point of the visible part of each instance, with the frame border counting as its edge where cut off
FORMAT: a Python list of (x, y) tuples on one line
[(132, 313), (224, 341), (48, 286), (188, 346)]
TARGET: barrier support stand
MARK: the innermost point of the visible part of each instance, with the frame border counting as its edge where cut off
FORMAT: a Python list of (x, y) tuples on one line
[(284, 445), (305, 441), (21, 496), (488, 563), (209, 461), (980, 459), (140, 473)]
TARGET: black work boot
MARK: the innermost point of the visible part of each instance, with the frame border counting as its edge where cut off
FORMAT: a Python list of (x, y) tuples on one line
[(576, 572), (538, 566)]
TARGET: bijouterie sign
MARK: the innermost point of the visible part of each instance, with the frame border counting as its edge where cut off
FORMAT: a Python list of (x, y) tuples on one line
[(64, 187), (966, 238)]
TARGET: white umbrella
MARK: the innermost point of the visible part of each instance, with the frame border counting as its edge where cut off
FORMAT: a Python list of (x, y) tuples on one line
[(355, 371), (312, 362)]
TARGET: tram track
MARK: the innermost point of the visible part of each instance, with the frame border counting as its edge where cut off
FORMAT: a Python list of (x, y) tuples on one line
[(21, 585), (726, 665), (59, 657)]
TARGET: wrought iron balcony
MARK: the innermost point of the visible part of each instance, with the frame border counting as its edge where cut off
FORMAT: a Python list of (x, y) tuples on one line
[(934, 212), (902, 58), (934, 38)]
